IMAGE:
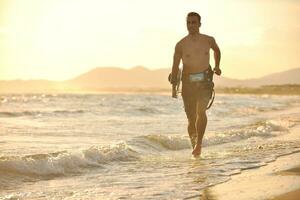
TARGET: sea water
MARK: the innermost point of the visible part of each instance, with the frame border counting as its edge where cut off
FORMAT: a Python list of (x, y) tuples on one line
[(133, 146)]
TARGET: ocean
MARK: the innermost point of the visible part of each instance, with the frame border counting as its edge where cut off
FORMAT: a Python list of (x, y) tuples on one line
[(134, 146)]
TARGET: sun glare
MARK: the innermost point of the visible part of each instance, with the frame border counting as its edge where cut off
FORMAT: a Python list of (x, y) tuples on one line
[(58, 40)]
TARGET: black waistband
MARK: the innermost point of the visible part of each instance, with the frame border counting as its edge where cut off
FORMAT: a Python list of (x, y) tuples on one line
[(187, 74), (208, 74)]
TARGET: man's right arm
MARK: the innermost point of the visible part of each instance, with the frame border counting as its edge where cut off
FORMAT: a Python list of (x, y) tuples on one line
[(217, 56), (175, 68)]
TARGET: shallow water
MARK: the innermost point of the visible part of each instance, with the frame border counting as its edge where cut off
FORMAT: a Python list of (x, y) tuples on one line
[(133, 146)]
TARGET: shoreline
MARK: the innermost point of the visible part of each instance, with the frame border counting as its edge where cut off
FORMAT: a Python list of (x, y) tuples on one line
[(282, 90), (278, 180), (295, 194)]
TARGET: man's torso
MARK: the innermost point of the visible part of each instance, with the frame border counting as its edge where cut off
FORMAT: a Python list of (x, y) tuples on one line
[(195, 53)]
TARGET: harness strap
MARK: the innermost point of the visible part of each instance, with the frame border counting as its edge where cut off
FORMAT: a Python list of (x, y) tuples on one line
[(211, 99)]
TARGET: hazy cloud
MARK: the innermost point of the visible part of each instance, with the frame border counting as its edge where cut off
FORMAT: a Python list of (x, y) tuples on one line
[(3, 31)]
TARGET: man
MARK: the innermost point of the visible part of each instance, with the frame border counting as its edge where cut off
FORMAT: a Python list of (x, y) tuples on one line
[(193, 50)]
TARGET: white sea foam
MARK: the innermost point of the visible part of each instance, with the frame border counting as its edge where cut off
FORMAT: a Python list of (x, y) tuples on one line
[(62, 163), (38, 112), (120, 146)]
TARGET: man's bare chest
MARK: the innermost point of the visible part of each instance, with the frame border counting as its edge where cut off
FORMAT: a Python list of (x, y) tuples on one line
[(198, 48)]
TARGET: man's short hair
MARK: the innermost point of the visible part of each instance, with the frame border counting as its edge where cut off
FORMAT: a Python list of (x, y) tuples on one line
[(194, 14)]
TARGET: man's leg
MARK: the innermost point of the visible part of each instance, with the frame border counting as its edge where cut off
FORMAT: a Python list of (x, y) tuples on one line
[(201, 123), (192, 130), (190, 107)]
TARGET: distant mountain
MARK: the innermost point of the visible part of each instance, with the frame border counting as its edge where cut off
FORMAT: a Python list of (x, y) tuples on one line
[(291, 76), (286, 77), (135, 79), (111, 77), (141, 77)]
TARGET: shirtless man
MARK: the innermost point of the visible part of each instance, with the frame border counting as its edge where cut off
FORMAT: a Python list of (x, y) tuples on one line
[(193, 50)]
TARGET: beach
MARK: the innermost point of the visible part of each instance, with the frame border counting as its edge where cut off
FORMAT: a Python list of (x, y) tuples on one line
[(136, 146), (279, 180)]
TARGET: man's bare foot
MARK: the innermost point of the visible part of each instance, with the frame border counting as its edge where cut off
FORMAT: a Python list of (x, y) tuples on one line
[(197, 150)]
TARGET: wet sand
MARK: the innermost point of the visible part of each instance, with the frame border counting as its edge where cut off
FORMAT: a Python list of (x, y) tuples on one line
[(279, 180), (293, 195)]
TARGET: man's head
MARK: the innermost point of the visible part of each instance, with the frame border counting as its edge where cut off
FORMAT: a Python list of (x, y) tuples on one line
[(193, 22)]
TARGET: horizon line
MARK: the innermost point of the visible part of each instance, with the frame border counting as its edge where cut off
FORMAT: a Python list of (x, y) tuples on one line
[(133, 68)]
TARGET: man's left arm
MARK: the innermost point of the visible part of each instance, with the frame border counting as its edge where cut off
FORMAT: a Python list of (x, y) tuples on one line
[(217, 56)]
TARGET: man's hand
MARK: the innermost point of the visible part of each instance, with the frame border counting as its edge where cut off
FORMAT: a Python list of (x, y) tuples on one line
[(217, 71), (174, 92)]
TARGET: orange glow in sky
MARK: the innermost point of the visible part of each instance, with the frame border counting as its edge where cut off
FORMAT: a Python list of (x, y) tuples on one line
[(60, 39)]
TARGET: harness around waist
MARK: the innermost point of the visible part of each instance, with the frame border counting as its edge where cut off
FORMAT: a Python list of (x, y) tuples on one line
[(201, 80), (205, 76)]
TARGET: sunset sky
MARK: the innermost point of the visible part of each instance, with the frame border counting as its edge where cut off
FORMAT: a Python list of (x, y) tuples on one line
[(60, 39)]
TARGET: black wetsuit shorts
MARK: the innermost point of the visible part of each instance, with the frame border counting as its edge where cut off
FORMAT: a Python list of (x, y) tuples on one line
[(195, 93)]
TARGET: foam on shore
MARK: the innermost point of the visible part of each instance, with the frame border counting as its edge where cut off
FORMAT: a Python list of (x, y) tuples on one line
[(266, 182)]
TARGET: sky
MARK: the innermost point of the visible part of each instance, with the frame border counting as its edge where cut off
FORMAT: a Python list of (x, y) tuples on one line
[(61, 39)]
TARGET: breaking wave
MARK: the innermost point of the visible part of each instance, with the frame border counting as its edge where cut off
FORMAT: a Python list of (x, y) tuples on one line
[(62, 163), (65, 162), (36, 113)]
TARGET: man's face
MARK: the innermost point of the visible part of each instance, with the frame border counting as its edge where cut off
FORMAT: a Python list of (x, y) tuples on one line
[(192, 24)]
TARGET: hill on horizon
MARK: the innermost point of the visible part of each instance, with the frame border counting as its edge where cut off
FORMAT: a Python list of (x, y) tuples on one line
[(113, 78), (143, 77)]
